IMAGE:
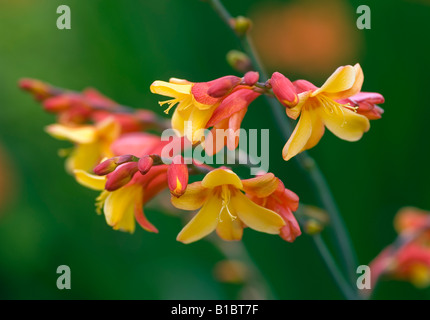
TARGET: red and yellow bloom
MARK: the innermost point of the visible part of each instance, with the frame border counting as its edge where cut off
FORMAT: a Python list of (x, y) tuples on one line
[(319, 108), (226, 209), (123, 203)]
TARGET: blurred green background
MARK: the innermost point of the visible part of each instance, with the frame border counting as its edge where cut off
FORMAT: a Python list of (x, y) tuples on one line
[(120, 47)]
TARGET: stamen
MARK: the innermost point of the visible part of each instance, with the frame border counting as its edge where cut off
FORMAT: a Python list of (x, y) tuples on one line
[(171, 104), (225, 196)]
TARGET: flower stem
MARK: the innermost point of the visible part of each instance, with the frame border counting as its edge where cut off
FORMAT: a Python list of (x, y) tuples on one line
[(255, 279), (306, 163), (334, 270)]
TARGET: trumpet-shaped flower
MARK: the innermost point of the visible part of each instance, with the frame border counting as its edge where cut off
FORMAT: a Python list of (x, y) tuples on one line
[(92, 142), (124, 203), (319, 108), (225, 208), (195, 102)]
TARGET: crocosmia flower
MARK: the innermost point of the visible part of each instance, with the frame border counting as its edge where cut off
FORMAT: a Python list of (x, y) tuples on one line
[(225, 208), (319, 108), (122, 200), (195, 102)]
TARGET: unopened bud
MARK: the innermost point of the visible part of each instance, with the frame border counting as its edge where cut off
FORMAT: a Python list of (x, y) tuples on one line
[(145, 164), (250, 78), (239, 61), (222, 86), (121, 176), (111, 164), (177, 176), (284, 90), (38, 89), (313, 227), (241, 25), (59, 103)]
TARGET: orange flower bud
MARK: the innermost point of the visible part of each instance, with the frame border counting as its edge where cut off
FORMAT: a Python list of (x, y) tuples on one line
[(177, 176), (284, 90), (121, 176)]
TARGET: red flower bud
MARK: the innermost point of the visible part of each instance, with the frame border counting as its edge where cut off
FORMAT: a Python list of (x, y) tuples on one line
[(222, 86), (251, 78), (111, 164), (145, 164), (284, 90), (121, 176), (39, 89), (177, 176)]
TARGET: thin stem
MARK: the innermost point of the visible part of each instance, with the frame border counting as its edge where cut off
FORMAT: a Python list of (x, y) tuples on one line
[(256, 280), (334, 270), (306, 163)]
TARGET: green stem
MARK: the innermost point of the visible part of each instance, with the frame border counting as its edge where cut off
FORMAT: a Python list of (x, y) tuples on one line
[(255, 279), (334, 270), (306, 163)]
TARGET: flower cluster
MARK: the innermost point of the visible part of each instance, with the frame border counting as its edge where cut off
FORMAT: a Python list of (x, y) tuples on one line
[(115, 154), (338, 105)]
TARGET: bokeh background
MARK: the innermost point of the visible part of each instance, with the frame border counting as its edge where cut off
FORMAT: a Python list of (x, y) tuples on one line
[(120, 47)]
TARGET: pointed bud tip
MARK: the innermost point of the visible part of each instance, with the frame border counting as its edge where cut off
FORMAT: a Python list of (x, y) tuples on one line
[(284, 90), (177, 176), (121, 176)]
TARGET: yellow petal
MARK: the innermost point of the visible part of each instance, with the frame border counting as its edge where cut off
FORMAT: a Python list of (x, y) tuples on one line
[(255, 216), (84, 157), (261, 186), (294, 112), (344, 123), (203, 223), (191, 122), (228, 229), (193, 198), (300, 136), (119, 206), (82, 134), (342, 79), (199, 118), (170, 89), (108, 130), (317, 131), (219, 177), (356, 87), (90, 181)]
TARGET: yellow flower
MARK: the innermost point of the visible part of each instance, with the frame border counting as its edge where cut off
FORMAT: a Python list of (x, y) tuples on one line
[(194, 104), (225, 208), (122, 206), (319, 108), (92, 142)]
